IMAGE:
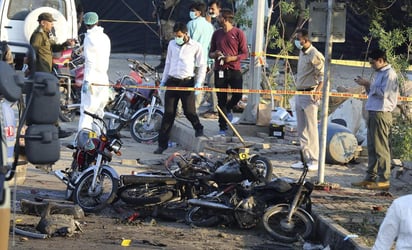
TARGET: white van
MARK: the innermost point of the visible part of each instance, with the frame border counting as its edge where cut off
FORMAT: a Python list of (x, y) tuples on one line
[(18, 20)]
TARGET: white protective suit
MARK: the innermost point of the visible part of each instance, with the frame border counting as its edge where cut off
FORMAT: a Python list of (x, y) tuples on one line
[(396, 225), (95, 93)]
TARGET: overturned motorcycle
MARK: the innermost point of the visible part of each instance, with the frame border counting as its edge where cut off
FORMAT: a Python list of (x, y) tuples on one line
[(283, 207), (189, 177)]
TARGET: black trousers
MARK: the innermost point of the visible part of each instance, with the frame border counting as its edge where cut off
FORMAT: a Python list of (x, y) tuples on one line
[(172, 98), (232, 78)]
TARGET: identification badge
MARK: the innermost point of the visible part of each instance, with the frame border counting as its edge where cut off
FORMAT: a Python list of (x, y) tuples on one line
[(221, 74)]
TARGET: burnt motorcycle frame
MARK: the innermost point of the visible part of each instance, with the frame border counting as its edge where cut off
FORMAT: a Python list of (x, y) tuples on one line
[(190, 178), (236, 204)]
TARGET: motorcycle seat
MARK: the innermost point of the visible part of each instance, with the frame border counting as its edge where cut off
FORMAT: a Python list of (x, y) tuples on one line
[(279, 185), (148, 179)]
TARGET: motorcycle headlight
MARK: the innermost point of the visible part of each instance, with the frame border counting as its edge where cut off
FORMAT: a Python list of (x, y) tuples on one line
[(116, 145)]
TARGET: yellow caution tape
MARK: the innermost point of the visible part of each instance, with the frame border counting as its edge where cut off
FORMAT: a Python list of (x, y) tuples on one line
[(352, 63), (265, 91)]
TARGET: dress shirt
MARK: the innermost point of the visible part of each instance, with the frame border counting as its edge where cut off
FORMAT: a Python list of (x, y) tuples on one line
[(201, 31), (182, 60), (383, 92), (310, 68), (397, 223)]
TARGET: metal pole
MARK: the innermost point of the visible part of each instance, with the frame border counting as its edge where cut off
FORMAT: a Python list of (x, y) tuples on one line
[(325, 95), (249, 115)]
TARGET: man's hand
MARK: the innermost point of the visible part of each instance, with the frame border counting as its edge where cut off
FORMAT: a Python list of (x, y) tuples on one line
[(363, 82), (230, 59), (198, 85), (71, 42), (316, 98), (217, 54), (85, 87)]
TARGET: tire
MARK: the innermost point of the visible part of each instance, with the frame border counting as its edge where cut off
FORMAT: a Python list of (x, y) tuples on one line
[(143, 132), (264, 167), (144, 195), (202, 217), (68, 195), (66, 115), (101, 197), (274, 221)]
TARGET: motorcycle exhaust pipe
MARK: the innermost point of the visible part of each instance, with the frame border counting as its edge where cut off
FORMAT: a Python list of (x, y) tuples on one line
[(209, 204), (59, 174), (110, 115)]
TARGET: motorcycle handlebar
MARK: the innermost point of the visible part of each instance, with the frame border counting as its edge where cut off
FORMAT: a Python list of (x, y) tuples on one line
[(93, 115)]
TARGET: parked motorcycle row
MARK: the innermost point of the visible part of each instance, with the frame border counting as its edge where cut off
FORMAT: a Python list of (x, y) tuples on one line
[(140, 109)]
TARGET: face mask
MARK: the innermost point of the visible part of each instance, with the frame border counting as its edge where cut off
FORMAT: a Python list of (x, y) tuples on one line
[(212, 15), (298, 45), (179, 41), (192, 15)]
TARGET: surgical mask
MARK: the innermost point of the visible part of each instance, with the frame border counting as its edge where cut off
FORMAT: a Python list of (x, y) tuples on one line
[(179, 41), (192, 15), (298, 45), (212, 15)]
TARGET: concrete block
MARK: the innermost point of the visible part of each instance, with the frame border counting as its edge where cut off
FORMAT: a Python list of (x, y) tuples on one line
[(235, 139), (131, 162), (271, 139), (333, 235), (262, 135), (290, 128), (250, 130), (262, 145)]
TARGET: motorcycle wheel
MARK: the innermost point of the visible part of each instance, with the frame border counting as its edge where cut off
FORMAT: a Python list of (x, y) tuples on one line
[(143, 195), (202, 217), (95, 200), (66, 115), (69, 193), (264, 167), (142, 131), (275, 223)]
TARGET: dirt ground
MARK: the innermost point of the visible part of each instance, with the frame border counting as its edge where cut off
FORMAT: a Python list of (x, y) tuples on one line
[(110, 228)]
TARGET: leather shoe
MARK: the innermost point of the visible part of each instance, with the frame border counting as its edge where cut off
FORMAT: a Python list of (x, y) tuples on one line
[(199, 133), (159, 151), (378, 185), (363, 183)]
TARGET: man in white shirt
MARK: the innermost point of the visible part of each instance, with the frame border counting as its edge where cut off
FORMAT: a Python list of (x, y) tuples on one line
[(95, 89), (184, 58), (397, 224)]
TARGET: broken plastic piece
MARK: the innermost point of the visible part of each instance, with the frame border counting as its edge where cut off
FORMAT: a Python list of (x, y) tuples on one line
[(350, 236)]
